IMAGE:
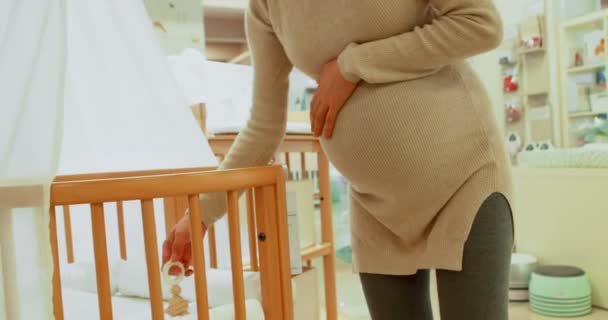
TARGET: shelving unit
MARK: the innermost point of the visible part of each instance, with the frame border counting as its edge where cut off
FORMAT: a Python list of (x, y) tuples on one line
[(585, 114), (532, 95), (583, 69), (578, 81)]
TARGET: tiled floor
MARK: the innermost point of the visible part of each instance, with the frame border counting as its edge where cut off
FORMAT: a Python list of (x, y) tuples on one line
[(352, 303)]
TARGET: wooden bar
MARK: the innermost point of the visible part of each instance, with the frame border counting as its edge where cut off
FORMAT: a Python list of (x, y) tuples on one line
[(129, 174), (316, 251), (121, 230), (283, 244), (212, 247), (150, 187), (102, 270), (271, 288), (57, 294), (253, 243), (67, 225), (150, 242), (236, 262), (329, 261), (198, 258), (181, 206), (303, 165), (288, 164), (169, 208)]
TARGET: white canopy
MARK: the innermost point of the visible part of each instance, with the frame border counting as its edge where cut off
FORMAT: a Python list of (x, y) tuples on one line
[(112, 105)]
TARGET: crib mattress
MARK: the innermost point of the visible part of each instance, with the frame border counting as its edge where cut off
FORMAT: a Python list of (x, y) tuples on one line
[(84, 305)]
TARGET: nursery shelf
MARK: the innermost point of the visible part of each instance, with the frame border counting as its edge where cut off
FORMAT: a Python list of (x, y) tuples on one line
[(533, 50), (595, 17), (585, 114), (586, 68), (537, 93)]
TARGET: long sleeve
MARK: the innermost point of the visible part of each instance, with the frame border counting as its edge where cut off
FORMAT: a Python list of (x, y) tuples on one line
[(460, 29), (258, 141)]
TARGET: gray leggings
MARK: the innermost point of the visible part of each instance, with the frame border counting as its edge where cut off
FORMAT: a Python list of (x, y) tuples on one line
[(478, 292)]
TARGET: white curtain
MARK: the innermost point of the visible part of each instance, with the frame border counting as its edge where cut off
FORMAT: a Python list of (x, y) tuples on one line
[(32, 65), (85, 87)]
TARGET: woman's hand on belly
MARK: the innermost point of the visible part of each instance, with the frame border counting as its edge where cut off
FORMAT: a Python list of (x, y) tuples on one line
[(333, 92)]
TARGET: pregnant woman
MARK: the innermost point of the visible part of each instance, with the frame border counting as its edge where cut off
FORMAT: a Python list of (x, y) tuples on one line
[(405, 119)]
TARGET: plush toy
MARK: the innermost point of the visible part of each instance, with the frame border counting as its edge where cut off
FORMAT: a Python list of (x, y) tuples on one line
[(514, 144), (578, 59), (513, 113), (510, 82), (600, 48), (600, 79)]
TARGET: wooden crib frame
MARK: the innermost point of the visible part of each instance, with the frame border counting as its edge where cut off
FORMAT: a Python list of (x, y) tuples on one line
[(300, 145), (180, 189)]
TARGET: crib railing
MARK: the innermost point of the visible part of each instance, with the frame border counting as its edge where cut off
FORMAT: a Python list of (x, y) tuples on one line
[(265, 189)]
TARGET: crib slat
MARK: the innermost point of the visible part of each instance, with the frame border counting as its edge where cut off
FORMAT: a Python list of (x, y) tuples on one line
[(121, 230), (156, 295), (212, 246), (181, 206), (288, 163), (198, 258), (169, 208), (67, 225), (283, 247), (102, 270), (57, 294), (253, 242), (271, 287), (303, 165), (238, 283)]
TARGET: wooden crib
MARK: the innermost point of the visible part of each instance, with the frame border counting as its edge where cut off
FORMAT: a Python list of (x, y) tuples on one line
[(299, 145), (180, 189)]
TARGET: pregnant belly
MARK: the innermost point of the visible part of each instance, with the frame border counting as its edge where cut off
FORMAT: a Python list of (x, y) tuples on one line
[(391, 134)]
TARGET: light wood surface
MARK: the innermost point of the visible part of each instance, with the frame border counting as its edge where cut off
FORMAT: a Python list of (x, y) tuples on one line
[(158, 186), (236, 259), (67, 225), (253, 247), (102, 270), (121, 230), (198, 257), (154, 284)]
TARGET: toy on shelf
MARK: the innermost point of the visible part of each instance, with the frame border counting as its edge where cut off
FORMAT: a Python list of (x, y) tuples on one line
[(510, 81), (178, 306), (600, 48), (508, 59), (532, 43), (595, 46), (578, 58), (600, 78), (513, 112), (514, 144)]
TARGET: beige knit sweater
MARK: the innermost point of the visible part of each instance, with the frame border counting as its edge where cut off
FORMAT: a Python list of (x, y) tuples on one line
[(417, 140)]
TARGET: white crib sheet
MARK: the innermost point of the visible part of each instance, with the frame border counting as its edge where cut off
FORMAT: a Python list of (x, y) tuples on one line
[(83, 305)]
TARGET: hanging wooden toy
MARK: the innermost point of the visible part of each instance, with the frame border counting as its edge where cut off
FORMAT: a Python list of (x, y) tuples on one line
[(178, 306)]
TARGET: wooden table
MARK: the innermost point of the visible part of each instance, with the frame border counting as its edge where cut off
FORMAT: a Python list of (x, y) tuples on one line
[(220, 144)]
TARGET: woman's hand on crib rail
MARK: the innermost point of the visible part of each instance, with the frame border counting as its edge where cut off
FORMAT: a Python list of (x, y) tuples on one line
[(178, 246)]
